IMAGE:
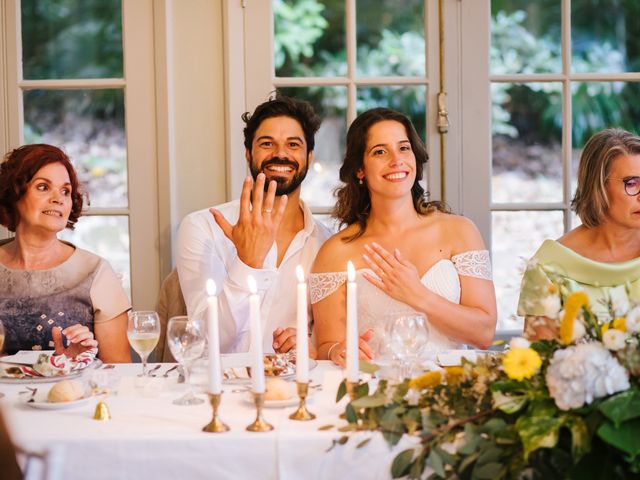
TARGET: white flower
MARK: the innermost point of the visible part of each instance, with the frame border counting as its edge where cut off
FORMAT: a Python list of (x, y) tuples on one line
[(519, 342), (614, 339), (633, 320), (582, 373), (551, 305), (412, 397), (620, 305), (454, 446), (578, 330)]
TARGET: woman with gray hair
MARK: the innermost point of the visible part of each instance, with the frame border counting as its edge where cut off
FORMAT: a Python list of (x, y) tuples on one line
[(601, 256)]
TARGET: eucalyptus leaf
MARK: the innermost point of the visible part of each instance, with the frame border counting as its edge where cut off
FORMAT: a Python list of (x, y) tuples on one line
[(372, 401), (468, 461), (342, 391), (434, 460), (489, 455), (626, 437), (392, 438), (488, 471), (363, 442), (362, 390), (622, 407), (351, 414), (471, 443), (367, 367), (402, 463)]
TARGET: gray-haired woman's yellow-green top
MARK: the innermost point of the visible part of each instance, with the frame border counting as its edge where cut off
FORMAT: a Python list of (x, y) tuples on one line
[(606, 284)]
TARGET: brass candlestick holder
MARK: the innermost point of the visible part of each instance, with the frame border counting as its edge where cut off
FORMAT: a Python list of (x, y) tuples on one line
[(351, 389), (259, 425), (302, 413), (215, 425)]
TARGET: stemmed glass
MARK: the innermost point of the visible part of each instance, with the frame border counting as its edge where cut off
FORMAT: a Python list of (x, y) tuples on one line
[(143, 333), (408, 338), (186, 341)]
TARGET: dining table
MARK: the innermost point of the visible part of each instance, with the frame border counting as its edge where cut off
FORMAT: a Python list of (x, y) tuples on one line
[(148, 436)]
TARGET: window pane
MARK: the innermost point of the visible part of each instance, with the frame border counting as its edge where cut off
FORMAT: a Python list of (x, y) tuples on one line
[(331, 104), (525, 36), (390, 38), (598, 105), (71, 39), (409, 100), (309, 38), (605, 36), (516, 236), (526, 142), (107, 236), (89, 126)]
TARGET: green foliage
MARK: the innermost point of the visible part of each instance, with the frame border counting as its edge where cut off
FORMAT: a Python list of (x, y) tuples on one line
[(484, 425)]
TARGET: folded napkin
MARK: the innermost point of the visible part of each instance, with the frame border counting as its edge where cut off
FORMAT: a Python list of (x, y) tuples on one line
[(50, 365)]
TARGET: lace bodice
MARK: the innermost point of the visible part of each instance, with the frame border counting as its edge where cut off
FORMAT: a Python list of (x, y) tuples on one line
[(375, 307)]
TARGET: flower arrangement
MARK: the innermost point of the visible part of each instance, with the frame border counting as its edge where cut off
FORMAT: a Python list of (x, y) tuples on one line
[(565, 408)]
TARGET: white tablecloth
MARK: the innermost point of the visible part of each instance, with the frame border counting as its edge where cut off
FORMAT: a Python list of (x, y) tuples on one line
[(149, 437)]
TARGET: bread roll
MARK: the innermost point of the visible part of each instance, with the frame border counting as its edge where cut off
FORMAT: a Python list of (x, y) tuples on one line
[(66, 391), (278, 389)]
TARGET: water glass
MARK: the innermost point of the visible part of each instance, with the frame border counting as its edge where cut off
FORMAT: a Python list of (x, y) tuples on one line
[(186, 341), (143, 333), (408, 338)]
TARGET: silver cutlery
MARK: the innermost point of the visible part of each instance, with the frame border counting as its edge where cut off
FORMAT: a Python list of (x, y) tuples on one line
[(166, 374)]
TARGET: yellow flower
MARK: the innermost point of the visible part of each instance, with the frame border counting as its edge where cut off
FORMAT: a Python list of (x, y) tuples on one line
[(454, 374), (428, 380), (620, 323), (521, 363), (572, 306)]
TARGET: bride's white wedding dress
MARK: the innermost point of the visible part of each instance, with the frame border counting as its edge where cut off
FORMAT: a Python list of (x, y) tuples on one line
[(376, 308)]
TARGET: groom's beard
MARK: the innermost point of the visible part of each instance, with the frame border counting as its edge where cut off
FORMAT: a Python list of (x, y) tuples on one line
[(285, 185)]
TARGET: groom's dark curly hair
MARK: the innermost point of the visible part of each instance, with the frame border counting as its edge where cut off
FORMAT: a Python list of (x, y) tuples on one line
[(281, 106)]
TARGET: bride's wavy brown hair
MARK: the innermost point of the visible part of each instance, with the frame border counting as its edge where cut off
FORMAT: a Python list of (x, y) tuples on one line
[(354, 203)]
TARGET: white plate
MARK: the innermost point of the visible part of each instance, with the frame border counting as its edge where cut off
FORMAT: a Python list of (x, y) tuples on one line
[(40, 402), (239, 375), (28, 379), (97, 363)]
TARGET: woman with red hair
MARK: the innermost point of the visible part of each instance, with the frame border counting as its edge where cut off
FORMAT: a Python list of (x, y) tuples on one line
[(48, 287)]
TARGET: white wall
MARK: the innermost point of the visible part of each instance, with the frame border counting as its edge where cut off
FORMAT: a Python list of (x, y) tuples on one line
[(191, 113)]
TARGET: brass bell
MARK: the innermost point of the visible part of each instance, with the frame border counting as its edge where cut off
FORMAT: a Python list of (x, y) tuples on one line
[(102, 411)]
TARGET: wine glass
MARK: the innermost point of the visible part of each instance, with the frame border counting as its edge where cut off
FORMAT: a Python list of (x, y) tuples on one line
[(408, 338), (186, 341), (143, 333)]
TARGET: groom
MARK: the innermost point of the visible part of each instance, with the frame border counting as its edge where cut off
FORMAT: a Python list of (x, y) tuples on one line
[(265, 234)]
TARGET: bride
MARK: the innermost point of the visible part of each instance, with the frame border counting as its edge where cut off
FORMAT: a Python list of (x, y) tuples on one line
[(411, 255)]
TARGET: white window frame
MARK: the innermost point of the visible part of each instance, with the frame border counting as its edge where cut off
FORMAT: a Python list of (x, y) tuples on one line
[(476, 122), (138, 83), (251, 77)]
